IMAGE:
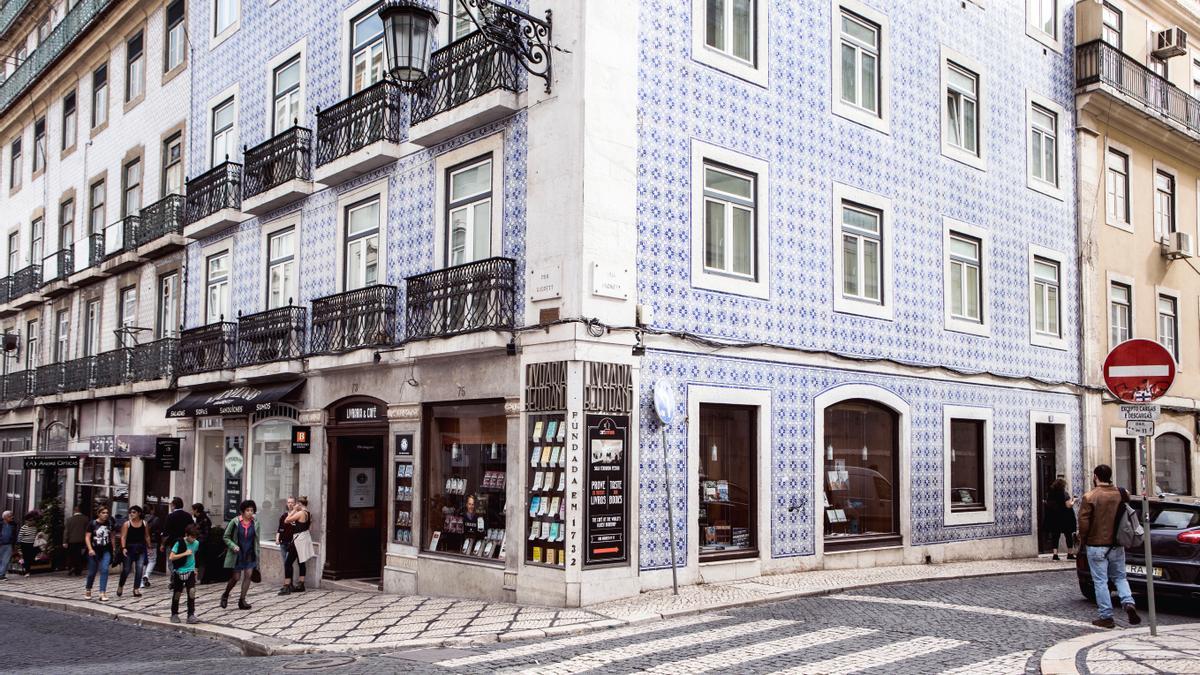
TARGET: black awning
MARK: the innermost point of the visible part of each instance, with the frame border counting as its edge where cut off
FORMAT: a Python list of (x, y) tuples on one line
[(244, 400)]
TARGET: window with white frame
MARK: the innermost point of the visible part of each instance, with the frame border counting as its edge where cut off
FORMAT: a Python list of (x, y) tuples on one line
[(217, 288), (729, 28), (1164, 203), (1168, 324), (33, 357), (859, 65), (962, 108), (362, 244), (469, 212), (862, 253), (39, 144), (966, 277), (37, 241), (69, 116), (168, 306), (732, 36), (62, 335), (127, 307), (366, 51), (96, 208), (730, 234), (14, 252), (176, 37), (1043, 135), (967, 465), (286, 80), (91, 328), (1120, 313), (1116, 186), (1111, 21), (281, 264), (1042, 15), (1047, 310), (66, 224), (225, 15), (100, 96), (224, 142), (729, 215), (135, 67), (461, 23), (172, 165), (14, 164), (131, 196)]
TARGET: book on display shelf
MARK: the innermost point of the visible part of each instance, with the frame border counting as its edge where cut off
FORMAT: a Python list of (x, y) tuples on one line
[(546, 452), (551, 428), (537, 431)]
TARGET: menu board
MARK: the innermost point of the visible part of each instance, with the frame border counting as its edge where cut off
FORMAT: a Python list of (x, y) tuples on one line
[(607, 509), (234, 462)]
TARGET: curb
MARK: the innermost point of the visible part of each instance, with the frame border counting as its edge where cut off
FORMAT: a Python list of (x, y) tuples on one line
[(1061, 658)]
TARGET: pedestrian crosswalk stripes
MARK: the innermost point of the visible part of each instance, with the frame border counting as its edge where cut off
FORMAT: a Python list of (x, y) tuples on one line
[(1000, 665), (855, 661), (549, 646), (604, 657), (731, 658)]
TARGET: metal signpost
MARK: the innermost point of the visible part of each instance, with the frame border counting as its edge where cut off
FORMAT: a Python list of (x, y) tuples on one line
[(1139, 372), (664, 407)]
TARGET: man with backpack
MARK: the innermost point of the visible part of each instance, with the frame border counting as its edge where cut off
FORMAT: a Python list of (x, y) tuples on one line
[(1103, 514)]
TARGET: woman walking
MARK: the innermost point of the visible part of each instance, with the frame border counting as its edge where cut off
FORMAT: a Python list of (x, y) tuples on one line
[(135, 539), (182, 559), (241, 552), (1060, 517), (99, 540), (27, 538), (299, 545)]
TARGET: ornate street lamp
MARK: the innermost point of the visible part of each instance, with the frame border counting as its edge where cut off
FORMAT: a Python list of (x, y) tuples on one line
[(408, 38)]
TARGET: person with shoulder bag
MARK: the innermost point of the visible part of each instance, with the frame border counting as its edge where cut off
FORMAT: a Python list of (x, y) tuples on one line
[(1103, 513), (135, 539), (242, 553), (300, 548)]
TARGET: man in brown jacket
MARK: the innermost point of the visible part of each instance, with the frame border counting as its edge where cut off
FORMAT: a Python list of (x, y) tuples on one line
[(73, 533), (1097, 536)]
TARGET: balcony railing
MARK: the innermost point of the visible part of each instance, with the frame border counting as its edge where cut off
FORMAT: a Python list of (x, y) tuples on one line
[(88, 252), (370, 116), (62, 36), (49, 380), (465, 69), (5, 289), (216, 189), (285, 157), (360, 318), (25, 281), (119, 236), (462, 299), (160, 219), (273, 335), (112, 368), (154, 360), (9, 13), (207, 348), (79, 374), (18, 386), (1098, 62), (57, 266)]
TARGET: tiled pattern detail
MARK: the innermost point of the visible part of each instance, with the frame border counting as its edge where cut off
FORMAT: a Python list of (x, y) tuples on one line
[(794, 450)]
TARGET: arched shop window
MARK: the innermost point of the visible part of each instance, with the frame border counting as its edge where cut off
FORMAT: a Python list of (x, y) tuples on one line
[(861, 476), (1171, 465), (55, 437), (274, 470)]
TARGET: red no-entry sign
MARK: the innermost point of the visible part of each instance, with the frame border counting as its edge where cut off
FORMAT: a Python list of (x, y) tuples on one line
[(1139, 371)]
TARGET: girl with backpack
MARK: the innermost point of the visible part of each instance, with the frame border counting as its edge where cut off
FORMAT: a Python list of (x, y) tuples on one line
[(182, 559)]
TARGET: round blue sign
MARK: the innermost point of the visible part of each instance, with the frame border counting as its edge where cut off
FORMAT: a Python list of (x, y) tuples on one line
[(664, 401)]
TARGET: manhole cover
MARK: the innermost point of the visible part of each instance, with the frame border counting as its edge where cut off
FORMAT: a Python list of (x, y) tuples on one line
[(321, 663)]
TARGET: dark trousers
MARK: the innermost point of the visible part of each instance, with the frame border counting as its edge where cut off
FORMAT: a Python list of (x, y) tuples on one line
[(75, 558), (292, 560), (28, 554), (1070, 537)]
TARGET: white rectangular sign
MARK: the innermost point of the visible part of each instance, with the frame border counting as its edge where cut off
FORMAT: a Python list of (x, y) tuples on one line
[(1139, 428), (1144, 412)]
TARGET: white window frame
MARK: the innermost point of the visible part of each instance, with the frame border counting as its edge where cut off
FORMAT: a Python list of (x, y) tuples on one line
[(223, 248), (290, 223), (1159, 235), (754, 73), (164, 308), (1177, 297), (952, 323), (1045, 339), (1033, 30), (378, 188), (348, 16), (988, 513), (963, 62), (882, 121), (1128, 282), (493, 144), (1060, 146), (215, 37), (468, 203), (1130, 198), (760, 285), (298, 49), (233, 92), (848, 305)]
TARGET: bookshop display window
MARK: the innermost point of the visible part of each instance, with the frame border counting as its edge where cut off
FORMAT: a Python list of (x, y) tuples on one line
[(466, 457), (728, 454), (547, 481), (861, 476)]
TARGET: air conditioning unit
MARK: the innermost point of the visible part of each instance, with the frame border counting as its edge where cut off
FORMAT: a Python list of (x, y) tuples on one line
[(1179, 245), (1170, 42)]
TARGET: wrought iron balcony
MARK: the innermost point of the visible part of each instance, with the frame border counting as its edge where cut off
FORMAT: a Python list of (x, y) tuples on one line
[(112, 368), (370, 116), (73, 25), (273, 335), (462, 299), (465, 69), (18, 386), (207, 348), (285, 157), (365, 317), (154, 360), (57, 266), (1098, 62), (9, 13), (79, 374), (160, 219), (212, 191), (88, 252), (119, 237), (48, 380), (5, 287), (25, 281)]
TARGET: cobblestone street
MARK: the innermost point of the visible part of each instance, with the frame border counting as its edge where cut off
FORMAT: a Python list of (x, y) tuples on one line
[(985, 625)]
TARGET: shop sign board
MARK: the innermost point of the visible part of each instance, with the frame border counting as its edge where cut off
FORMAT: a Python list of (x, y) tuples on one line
[(360, 412), (234, 462), (1139, 371), (1139, 428), (166, 453), (102, 446), (606, 515), (362, 487), (404, 445), (50, 462), (301, 439)]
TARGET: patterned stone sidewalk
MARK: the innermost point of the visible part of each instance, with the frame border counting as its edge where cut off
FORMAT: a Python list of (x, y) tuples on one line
[(340, 621), (1176, 649)]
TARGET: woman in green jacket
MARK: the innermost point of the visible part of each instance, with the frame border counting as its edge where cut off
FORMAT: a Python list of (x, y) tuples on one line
[(241, 552)]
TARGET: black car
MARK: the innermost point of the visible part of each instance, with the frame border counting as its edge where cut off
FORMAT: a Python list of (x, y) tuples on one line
[(1175, 547)]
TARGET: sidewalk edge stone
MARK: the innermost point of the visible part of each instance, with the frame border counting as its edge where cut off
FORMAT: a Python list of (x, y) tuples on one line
[(1061, 658)]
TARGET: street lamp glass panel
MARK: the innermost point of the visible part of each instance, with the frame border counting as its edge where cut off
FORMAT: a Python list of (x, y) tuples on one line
[(408, 31)]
